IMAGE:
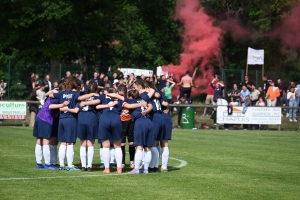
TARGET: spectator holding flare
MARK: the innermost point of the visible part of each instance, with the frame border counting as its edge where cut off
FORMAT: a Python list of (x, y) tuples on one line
[(272, 94), (187, 84)]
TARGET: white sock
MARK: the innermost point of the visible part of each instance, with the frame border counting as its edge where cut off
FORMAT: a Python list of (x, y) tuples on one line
[(106, 156), (46, 154), (38, 154), (165, 157), (154, 153), (101, 155), (112, 155), (138, 159), (157, 157), (147, 159), (143, 155), (70, 155), (83, 156), (119, 156), (53, 154), (62, 154), (90, 156)]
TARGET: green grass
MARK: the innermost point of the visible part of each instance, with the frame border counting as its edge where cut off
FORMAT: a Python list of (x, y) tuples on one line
[(221, 165)]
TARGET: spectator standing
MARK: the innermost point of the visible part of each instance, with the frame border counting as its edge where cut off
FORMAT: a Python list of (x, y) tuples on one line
[(96, 78), (266, 84), (47, 83), (247, 83), (282, 90), (2, 89), (244, 93), (112, 77), (41, 95), (209, 96), (291, 96), (218, 90), (68, 75), (254, 95), (179, 110), (272, 94), (31, 83), (162, 82), (235, 94), (120, 75), (37, 81), (168, 91)]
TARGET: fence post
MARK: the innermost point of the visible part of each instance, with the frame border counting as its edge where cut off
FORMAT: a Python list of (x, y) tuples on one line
[(8, 81)]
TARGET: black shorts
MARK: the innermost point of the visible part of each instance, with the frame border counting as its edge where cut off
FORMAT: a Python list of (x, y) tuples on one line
[(127, 131)]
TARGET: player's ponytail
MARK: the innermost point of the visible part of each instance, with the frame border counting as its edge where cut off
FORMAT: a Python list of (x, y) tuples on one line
[(92, 87)]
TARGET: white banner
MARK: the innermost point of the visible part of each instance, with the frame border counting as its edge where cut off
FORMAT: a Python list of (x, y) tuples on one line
[(12, 110), (255, 57), (160, 72), (137, 72), (253, 115)]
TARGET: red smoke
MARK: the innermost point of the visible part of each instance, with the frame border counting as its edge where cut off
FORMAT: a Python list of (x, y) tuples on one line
[(235, 28), (200, 43), (289, 30)]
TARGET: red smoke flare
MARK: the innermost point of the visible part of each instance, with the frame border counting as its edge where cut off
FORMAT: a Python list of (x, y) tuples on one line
[(289, 30), (200, 43)]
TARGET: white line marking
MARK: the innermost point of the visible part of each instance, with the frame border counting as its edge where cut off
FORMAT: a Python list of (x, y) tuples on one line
[(183, 163)]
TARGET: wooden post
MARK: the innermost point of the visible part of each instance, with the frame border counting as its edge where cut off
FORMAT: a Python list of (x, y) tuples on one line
[(247, 63), (32, 119)]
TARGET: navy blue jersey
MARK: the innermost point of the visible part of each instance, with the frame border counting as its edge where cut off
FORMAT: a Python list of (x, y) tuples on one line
[(105, 99), (90, 107), (156, 102), (70, 96), (145, 96), (137, 112)]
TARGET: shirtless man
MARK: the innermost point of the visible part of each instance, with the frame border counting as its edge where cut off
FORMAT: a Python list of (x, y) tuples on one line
[(187, 84)]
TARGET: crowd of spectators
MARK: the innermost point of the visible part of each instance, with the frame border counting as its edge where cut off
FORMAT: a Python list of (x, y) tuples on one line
[(271, 93)]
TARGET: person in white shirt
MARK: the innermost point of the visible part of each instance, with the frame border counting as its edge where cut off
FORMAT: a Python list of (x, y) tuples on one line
[(291, 96), (222, 102)]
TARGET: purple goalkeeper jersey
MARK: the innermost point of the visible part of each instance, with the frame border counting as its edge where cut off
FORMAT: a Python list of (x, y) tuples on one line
[(46, 114)]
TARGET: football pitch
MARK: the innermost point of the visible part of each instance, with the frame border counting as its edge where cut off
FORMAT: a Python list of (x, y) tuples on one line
[(204, 164)]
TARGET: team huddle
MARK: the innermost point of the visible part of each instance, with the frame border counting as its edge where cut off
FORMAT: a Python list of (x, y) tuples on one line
[(138, 113)]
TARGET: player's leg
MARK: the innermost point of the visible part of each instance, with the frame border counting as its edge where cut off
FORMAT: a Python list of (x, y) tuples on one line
[(165, 155), (90, 150), (131, 144), (106, 155), (83, 149), (39, 153)]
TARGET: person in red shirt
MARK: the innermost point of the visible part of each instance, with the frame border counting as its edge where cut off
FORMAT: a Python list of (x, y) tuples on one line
[(210, 94)]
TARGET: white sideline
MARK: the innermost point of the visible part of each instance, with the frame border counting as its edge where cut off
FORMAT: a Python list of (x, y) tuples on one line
[(183, 163)]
